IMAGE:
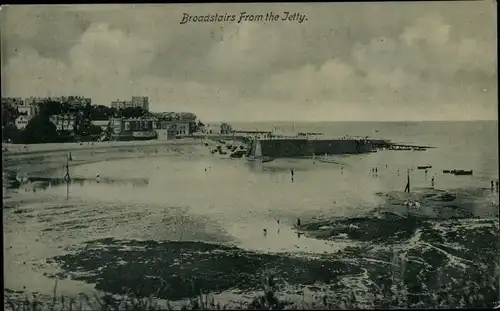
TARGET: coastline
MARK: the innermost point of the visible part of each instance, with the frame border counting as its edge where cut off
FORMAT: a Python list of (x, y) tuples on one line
[(19, 149), (48, 160)]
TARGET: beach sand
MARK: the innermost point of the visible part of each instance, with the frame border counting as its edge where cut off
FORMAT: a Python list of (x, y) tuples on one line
[(17, 149)]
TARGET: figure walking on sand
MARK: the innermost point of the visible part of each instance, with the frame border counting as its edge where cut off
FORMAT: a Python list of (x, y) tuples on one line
[(292, 172), (432, 182)]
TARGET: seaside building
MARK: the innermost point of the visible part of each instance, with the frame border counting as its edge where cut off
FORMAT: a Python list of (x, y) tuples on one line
[(22, 121), (166, 134), (118, 104), (136, 102), (140, 101), (71, 99), (27, 109), (69, 124), (177, 123), (132, 129), (179, 127), (65, 123)]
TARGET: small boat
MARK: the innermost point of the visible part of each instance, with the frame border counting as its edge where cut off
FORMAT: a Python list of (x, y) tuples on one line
[(260, 159), (462, 172), (424, 167), (266, 159), (237, 154)]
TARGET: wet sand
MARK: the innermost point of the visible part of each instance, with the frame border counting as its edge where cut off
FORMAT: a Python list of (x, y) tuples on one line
[(16, 149)]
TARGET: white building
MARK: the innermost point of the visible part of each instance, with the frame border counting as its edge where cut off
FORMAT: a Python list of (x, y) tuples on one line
[(22, 121), (181, 127), (64, 122), (136, 102), (162, 134), (140, 101), (27, 109)]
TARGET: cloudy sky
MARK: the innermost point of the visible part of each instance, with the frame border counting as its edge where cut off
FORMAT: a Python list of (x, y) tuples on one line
[(348, 61)]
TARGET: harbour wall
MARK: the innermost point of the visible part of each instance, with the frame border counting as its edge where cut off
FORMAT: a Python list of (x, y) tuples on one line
[(284, 148)]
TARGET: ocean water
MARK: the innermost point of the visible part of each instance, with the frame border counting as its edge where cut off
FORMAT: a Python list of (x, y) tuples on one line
[(223, 221)]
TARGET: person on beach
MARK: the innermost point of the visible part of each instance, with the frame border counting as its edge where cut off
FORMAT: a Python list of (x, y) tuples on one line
[(292, 173), (492, 184), (432, 182), (298, 223), (398, 172), (265, 232), (98, 178)]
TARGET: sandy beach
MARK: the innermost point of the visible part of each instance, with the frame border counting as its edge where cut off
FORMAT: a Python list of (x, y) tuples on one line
[(19, 149)]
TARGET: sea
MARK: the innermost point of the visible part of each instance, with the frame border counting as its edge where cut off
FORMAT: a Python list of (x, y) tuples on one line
[(172, 226)]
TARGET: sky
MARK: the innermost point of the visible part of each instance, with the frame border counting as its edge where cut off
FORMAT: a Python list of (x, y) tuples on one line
[(347, 61)]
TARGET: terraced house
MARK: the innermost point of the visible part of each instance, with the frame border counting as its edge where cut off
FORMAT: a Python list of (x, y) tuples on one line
[(178, 122), (132, 129)]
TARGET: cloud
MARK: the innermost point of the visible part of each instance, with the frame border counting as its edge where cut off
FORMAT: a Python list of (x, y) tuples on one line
[(422, 67), (420, 61)]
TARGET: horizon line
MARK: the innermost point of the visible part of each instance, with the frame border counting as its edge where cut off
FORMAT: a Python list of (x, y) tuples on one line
[(344, 121)]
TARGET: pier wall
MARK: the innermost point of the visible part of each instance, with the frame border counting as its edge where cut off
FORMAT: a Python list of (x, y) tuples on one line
[(284, 148)]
